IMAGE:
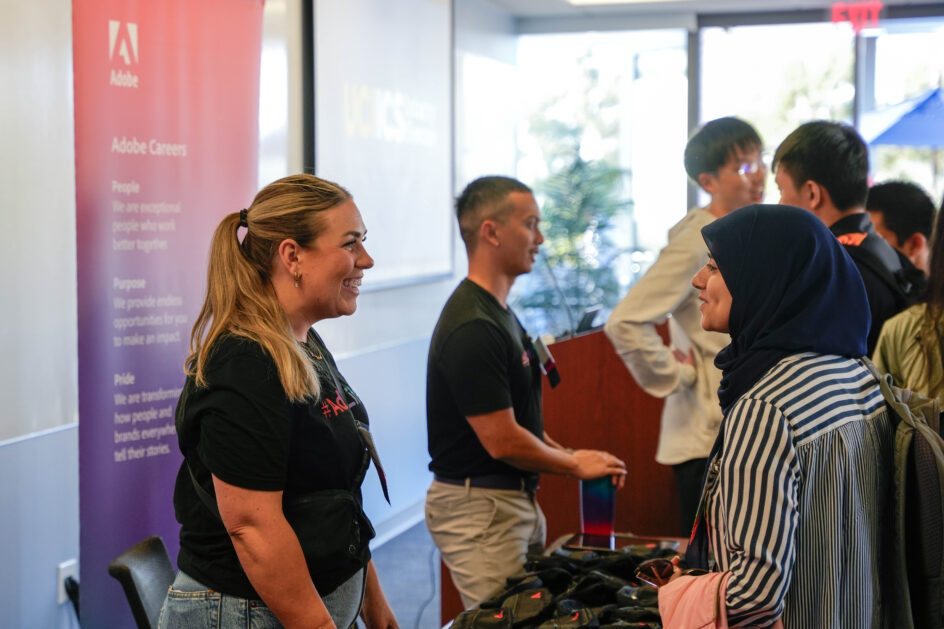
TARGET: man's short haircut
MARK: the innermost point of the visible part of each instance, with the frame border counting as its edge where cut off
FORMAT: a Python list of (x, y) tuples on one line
[(833, 155), (712, 146), (484, 198), (906, 208)]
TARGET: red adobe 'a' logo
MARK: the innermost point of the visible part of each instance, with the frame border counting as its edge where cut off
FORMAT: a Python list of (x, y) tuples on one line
[(123, 41)]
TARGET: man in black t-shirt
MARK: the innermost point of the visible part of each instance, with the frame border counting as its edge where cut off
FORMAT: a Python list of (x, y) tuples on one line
[(823, 167), (483, 403)]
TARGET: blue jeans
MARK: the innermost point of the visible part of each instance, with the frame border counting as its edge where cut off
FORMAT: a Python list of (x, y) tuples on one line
[(191, 605)]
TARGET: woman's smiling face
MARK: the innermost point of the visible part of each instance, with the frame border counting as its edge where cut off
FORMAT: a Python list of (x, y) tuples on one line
[(332, 268), (715, 297)]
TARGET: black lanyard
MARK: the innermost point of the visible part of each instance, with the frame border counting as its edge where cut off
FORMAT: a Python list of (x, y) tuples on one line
[(366, 439)]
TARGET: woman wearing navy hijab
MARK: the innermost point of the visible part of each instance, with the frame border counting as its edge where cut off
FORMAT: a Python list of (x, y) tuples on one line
[(797, 485)]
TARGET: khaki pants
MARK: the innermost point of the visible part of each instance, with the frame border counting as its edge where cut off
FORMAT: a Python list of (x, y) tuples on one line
[(483, 535)]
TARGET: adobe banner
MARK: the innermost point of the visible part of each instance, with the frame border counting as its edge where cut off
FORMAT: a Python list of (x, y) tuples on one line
[(166, 134)]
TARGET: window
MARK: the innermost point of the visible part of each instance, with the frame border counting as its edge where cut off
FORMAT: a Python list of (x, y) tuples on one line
[(776, 77), (904, 74), (600, 139)]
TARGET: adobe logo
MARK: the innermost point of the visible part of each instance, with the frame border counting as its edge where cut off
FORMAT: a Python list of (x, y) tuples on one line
[(123, 41)]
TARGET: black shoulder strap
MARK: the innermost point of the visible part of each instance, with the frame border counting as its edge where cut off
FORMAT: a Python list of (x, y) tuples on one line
[(208, 500), (891, 273), (362, 431), (366, 439), (883, 252)]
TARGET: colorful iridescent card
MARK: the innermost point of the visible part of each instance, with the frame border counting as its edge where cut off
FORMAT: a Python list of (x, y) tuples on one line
[(597, 506)]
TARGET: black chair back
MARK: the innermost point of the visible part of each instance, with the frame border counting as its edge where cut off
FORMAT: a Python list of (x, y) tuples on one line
[(145, 572)]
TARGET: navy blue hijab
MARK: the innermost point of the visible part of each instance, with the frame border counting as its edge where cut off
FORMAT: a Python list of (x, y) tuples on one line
[(793, 288)]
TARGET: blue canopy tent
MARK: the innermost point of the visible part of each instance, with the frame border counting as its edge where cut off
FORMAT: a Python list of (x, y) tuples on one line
[(916, 122)]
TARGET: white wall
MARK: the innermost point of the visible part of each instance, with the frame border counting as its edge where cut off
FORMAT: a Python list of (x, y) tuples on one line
[(39, 517), (38, 381), (486, 91), (382, 348)]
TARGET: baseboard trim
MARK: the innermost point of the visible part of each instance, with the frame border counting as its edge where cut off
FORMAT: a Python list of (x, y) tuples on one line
[(392, 526)]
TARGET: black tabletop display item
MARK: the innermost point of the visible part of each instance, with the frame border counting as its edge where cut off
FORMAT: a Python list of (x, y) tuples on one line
[(572, 588)]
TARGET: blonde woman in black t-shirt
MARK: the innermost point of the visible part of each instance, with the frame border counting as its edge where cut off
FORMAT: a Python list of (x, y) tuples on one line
[(265, 421)]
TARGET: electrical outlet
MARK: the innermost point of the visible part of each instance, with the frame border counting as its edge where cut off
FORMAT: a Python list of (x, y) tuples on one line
[(68, 568)]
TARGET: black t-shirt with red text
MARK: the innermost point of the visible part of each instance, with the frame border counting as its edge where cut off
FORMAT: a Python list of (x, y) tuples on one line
[(243, 429)]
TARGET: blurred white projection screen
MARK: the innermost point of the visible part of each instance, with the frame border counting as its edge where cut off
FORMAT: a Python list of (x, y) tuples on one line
[(383, 90)]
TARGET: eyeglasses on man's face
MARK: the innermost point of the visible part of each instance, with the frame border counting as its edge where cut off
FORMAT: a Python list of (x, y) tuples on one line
[(751, 168)]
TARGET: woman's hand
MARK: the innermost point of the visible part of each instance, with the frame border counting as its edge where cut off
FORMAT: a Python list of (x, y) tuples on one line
[(378, 616), (659, 572), (376, 612), (677, 571)]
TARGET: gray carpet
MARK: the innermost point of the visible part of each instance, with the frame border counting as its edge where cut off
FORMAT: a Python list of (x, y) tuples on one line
[(408, 566)]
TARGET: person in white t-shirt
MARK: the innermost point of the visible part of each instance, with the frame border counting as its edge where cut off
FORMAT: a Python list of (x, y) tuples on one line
[(724, 158)]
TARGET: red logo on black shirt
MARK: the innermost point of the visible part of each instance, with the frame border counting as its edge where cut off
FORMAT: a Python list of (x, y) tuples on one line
[(853, 240), (334, 407)]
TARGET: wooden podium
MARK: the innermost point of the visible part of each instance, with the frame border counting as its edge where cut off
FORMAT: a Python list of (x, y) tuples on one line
[(598, 405)]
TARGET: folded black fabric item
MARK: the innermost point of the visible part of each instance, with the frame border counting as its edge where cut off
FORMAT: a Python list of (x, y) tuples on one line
[(614, 614), (529, 607), (620, 565), (623, 564), (644, 552), (642, 596), (571, 614), (609, 580), (483, 619), (556, 579), (527, 582), (594, 589), (573, 589), (576, 558)]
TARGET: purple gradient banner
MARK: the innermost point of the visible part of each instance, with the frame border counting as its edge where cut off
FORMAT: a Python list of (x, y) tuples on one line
[(166, 133)]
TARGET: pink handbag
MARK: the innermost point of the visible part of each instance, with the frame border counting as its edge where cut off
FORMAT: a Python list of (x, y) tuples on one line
[(690, 602)]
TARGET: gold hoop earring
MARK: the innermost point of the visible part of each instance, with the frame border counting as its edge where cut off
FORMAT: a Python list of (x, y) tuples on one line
[(297, 278)]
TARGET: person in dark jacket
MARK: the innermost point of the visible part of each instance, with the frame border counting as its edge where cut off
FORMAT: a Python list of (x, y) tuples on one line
[(823, 167), (903, 214)]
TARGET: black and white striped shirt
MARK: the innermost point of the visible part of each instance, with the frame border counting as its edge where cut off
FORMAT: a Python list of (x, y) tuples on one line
[(796, 503)]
